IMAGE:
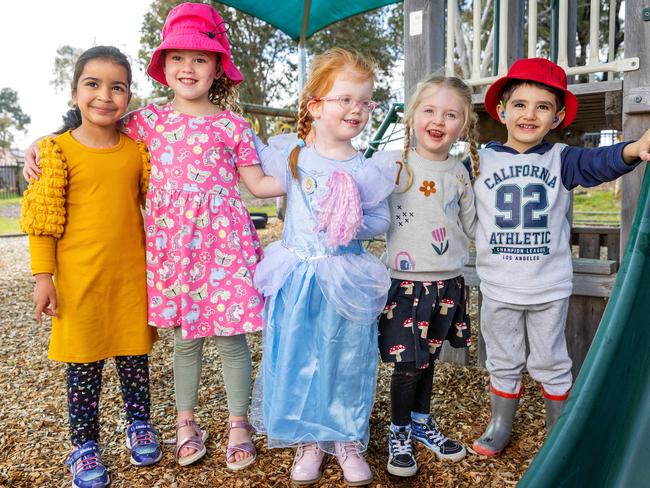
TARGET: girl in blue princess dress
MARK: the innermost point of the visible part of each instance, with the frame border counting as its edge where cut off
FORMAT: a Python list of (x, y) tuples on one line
[(324, 292)]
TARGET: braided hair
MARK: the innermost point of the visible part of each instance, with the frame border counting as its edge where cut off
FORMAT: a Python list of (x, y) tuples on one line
[(470, 126), (324, 69)]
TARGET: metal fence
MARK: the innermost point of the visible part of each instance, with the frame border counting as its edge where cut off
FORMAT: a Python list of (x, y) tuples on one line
[(12, 183)]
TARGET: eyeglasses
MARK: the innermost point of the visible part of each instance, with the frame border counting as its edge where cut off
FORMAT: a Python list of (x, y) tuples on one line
[(348, 103)]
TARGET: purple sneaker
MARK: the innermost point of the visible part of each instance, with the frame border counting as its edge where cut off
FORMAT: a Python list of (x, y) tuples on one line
[(142, 440), (87, 468)]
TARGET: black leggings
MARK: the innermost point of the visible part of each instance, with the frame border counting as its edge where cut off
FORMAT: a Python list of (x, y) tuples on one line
[(85, 384), (410, 390)]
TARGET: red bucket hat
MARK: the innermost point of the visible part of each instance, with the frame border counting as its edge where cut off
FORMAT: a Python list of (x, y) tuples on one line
[(539, 70), (195, 27)]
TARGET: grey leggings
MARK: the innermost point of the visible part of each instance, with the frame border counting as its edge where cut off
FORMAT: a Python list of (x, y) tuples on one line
[(236, 364)]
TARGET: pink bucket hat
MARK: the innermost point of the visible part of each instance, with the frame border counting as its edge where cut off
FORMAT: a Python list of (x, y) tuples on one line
[(195, 27)]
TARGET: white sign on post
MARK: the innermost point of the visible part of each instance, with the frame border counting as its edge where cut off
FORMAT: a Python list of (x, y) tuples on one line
[(415, 23)]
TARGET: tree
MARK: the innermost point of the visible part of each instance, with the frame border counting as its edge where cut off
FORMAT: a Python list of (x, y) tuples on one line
[(377, 34), (64, 64), (260, 51), (12, 117), (64, 61), (266, 56)]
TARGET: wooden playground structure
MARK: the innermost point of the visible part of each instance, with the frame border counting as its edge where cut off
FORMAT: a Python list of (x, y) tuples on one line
[(621, 104)]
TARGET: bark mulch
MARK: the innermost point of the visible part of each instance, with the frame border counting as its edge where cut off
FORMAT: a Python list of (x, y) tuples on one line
[(34, 438)]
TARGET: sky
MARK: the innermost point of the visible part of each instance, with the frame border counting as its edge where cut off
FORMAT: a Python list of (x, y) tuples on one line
[(32, 30)]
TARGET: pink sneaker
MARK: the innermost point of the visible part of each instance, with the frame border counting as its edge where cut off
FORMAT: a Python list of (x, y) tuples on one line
[(356, 471), (306, 467)]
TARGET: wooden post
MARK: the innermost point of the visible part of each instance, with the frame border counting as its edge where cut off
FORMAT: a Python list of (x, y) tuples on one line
[(515, 32), (424, 41), (636, 105)]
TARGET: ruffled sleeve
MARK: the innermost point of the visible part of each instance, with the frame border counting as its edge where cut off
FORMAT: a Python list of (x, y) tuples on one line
[(275, 156), (146, 171), (376, 179), (43, 206)]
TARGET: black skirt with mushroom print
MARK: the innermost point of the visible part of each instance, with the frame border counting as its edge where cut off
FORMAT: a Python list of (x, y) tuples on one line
[(419, 317)]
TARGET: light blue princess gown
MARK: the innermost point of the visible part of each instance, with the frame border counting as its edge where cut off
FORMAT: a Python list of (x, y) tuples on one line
[(317, 378)]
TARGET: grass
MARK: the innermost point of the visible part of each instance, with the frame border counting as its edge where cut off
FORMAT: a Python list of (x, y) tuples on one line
[(596, 201), (9, 225), (269, 210)]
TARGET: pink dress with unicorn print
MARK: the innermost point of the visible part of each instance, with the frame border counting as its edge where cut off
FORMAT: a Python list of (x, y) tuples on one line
[(202, 248)]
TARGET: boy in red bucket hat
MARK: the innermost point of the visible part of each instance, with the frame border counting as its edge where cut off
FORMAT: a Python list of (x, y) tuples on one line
[(523, 236)]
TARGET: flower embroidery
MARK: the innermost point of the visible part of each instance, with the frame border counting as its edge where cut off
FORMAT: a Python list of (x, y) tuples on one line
[(439, 235), (428, 187)]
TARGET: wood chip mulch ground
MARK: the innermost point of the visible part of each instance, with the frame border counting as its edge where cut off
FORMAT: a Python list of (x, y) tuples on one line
[(34, 439)]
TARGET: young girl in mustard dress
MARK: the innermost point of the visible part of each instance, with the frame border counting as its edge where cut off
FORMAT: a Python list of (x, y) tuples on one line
[(86, 239)]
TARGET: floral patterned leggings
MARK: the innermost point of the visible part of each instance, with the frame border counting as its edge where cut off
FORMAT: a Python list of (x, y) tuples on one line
[(84, 386)]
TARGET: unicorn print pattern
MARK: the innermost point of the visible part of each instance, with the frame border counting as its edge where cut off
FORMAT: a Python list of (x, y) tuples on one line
[(202, 248)]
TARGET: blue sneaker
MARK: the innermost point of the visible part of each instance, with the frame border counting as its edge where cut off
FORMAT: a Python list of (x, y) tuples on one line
[(427, 434), (87, 467), (142, 439)]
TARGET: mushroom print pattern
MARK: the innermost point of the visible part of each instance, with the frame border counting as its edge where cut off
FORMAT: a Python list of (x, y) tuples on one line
[(397, 352), (388, 310), (409, 287), (420, 317), (434, 344), (445, 305), (423, 325)]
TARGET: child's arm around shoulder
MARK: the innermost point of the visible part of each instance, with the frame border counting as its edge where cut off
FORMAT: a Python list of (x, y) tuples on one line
[(253, 171), (376, 181), (466, 202)]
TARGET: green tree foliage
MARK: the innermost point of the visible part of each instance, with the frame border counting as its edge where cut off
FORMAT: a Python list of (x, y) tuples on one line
[(64, 61), (12, 117), (266, 56)]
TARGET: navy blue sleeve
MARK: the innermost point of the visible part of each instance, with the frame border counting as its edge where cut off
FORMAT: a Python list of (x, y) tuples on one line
[(468, 166), (593, 166)]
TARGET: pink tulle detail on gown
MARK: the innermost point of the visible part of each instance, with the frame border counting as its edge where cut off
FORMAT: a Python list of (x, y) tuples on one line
[(339, 210)]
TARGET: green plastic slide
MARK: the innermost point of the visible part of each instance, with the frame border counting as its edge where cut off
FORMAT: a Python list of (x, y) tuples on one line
[(602, 438)]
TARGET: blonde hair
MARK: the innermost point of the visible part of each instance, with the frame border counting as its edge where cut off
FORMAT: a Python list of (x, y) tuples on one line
[(322, 73), (471, 119)]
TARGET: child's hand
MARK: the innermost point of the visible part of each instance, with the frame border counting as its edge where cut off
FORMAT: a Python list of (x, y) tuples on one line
[(644, 152), (31, 170), (44, 297), (639, 149)]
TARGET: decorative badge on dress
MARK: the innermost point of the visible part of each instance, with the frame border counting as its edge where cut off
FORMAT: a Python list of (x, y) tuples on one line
[(309, 185)]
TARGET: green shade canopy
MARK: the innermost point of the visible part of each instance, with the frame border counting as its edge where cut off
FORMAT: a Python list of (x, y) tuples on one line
[(288, 15)]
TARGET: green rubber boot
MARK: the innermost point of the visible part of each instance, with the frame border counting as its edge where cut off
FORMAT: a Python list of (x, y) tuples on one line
[(497, 433), (553, 411)]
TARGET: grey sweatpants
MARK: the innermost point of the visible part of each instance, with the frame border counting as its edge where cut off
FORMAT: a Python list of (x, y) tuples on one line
[(504, 325), (235, 362)]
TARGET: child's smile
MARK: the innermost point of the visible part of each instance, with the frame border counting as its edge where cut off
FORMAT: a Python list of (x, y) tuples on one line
[(438, 122), (529, 114)]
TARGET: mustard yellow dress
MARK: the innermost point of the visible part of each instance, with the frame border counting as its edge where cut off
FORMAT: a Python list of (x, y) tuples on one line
[(85, 227)]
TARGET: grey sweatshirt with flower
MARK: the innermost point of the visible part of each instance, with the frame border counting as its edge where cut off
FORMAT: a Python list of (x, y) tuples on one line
[(431, 222)]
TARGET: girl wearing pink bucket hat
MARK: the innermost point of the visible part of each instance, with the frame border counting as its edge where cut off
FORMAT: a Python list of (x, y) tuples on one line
[(202, 248)]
